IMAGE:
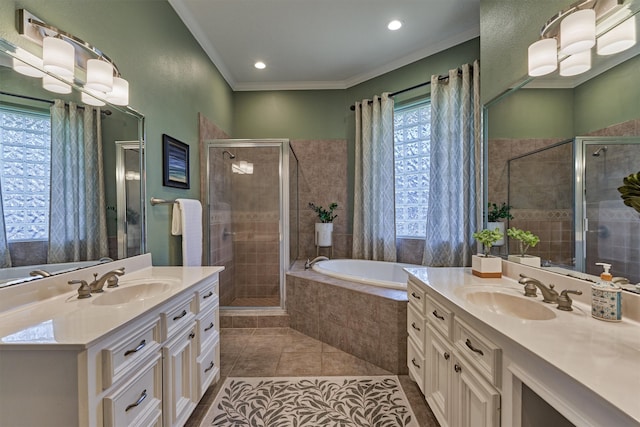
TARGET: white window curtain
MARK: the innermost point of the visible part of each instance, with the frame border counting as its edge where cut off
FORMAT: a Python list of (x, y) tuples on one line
[(455, 199), (374, 230), (77, 222), (5, 256)]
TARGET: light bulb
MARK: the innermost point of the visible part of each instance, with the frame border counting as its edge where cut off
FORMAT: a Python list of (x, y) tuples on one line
[(88, 99), (58, 57), (99, 75), (576, 64), (618, 39), (27, 64), (119, 95), (54, 85), (578, 32)]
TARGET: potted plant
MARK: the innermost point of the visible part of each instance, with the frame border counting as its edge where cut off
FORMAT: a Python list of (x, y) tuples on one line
[(526, 240), (324, 228), (495, 214), (484, 265)]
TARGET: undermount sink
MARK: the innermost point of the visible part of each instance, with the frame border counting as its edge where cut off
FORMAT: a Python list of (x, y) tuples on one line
[(499, 302), (131, 293)]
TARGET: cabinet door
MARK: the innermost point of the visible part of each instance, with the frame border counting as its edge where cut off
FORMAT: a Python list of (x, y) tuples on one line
[(438, 376), (178, 380), (475, 403)]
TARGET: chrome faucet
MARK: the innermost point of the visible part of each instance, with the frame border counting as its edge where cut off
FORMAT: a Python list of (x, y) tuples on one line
[(42, 273), (309, 264), (549, 295), (110, 277)]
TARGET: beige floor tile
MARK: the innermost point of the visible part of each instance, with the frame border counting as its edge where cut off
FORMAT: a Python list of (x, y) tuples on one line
[(236, 331), (233, 344), (299, 364), (302, 344), (341, 363), (326, 348), (271, 331), (255, 365), (227, 362), (267, 344)]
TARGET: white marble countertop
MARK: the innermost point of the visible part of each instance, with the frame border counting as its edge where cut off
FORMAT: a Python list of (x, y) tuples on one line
[(602, 356), (64, 321)]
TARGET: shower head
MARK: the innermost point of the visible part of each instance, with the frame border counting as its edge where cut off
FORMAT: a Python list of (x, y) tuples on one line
[(231, 155), (602, 149)]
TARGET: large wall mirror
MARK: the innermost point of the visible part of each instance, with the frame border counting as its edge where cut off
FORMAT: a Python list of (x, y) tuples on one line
[(558, 149), (36, 186)]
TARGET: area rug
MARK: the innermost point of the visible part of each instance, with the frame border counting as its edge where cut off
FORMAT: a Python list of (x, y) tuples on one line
[(376, 401)]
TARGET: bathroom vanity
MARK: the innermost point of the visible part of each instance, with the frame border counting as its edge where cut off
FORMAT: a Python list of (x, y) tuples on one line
[(141, 354), (479, 349)]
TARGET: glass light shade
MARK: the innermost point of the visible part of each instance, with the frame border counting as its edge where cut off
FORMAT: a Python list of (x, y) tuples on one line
[(58, 57), (618, 39), (543, 57), (90, 100), (27, 64), (119, 95), (578, 32), (99, 75), (576, 64), (54, 85)]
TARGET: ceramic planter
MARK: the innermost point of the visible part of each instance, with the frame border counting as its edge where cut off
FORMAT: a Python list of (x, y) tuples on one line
[(324, 231), (486, 267), (500, 226), (533, 261)]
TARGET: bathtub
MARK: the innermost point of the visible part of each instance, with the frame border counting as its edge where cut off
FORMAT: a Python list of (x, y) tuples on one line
[(377, 273)]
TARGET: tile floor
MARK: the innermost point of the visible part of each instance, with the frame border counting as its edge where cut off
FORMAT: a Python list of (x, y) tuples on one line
[(273, 352)]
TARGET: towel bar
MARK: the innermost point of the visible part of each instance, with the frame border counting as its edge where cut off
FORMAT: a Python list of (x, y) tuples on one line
[(156, 201)]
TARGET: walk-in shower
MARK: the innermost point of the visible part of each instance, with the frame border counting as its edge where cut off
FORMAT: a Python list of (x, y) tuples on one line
[(252, 214)]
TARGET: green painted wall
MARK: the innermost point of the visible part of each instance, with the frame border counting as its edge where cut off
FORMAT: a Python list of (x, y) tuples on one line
[(171, 80)]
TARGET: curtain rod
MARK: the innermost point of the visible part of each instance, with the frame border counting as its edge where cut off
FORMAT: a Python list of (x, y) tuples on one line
[(48, 101), (392, 94)]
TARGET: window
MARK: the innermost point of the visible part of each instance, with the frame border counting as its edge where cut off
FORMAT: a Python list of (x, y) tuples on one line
[(412, 137), (25, 157)]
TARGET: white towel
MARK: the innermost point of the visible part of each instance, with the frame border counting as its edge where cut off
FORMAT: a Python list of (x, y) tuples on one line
[(187, 222)]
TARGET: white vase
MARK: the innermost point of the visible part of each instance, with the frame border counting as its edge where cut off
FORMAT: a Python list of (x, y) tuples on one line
[(324, 231), (486, 267), (500, 226), (533, 261)]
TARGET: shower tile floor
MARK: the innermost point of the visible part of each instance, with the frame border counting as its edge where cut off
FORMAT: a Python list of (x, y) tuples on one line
[(284, 352)]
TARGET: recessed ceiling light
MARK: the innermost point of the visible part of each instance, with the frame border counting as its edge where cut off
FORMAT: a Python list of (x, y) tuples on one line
[(260, 65), (394, 25)]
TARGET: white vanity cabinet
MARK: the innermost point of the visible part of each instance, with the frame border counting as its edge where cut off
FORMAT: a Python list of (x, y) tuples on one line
[(149, 370), (456, 368)]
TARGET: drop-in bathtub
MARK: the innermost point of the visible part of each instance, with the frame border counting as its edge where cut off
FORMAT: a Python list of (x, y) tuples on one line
[(377, 273)]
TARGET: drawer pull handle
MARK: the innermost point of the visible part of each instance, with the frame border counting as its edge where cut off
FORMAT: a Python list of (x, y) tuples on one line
[(137, 349), (472, 348), (413, 325), (414, 363), (210, 294), (142, 397), (181, 315), (192, 335), (457, 368), (211, 365), (416, 296), (446, 356), (208, 328), (437, 316)]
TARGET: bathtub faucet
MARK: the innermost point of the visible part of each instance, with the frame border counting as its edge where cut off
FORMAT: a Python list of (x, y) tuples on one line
[(309, 264)]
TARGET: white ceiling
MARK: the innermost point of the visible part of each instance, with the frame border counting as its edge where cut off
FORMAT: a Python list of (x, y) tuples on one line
[(322, 44)]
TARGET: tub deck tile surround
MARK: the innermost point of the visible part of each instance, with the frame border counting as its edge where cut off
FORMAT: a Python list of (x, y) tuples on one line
[(366, 321)]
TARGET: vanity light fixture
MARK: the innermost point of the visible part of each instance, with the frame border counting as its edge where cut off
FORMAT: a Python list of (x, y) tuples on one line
[(394, 25), (27, 64), (578, 28), (61, 54)]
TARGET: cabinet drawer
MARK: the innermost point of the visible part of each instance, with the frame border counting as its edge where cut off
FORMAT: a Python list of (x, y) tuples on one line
[(120, 357), (416, 364), (416, 327), (483, 354), (417, 296), (208, 366), (208, 328), (176, 316), (138, 400), (439, 317), (207, 296)]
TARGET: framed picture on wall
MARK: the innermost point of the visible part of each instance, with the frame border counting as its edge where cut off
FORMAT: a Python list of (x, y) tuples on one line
[(175, 160)]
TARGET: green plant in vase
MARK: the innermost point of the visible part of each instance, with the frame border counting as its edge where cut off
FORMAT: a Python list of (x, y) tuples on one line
[(526, 239), (487, 238), (495, 213), (324, 215)]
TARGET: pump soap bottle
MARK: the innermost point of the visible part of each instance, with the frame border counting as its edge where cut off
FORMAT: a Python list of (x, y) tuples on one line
[(606, 297)]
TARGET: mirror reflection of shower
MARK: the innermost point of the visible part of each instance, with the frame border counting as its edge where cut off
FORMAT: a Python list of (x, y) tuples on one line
[(241, 167)]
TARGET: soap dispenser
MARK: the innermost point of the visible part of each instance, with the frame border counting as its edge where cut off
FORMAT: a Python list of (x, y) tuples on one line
[(606, 297)]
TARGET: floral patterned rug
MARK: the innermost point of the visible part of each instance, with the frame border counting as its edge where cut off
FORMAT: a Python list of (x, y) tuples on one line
[(376, 401)]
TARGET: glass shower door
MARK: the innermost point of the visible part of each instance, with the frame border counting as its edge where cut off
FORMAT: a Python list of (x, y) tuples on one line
[(611, 229)]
